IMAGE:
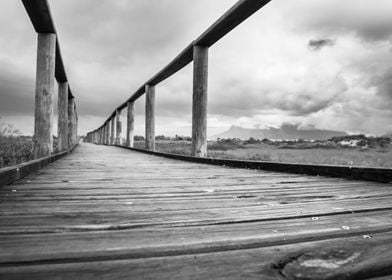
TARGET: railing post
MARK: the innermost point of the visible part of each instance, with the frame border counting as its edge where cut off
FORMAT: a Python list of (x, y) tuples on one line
[(62, 124), (199, 105), (150, 117), (130, 123), (112, 131), (103, 136), (106, 130), (44, 89), (74, 125), (71, 112), (118, 127)]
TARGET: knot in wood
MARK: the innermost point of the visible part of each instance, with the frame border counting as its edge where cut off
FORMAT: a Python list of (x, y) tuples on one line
[(317, 265)]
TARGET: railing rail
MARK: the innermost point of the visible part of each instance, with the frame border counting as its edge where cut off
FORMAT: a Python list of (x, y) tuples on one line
[(196, 51)]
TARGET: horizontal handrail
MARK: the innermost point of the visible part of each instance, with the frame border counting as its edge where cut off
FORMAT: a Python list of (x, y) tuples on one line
[(41, 18), (231, 19)]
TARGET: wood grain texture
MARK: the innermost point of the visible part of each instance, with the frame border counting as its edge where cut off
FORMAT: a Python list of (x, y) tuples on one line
[(44, 91), (199, 101), (110, 213), (150, 118), (62, 122)]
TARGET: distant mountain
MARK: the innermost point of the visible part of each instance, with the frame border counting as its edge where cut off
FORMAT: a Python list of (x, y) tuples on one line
[(388, 135), (285, 132)]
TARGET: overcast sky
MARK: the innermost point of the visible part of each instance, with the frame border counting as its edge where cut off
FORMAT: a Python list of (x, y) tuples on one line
[(322, 63)]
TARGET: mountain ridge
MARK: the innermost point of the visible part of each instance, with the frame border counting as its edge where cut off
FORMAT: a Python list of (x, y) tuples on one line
[(285, 132)]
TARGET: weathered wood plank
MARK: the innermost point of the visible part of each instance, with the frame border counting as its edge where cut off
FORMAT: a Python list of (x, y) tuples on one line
[(107, 205), (342, 258)]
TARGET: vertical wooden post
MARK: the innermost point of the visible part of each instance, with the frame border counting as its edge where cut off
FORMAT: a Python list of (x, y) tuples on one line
[(199, 105), (71, 112), (106, 133), (130, 123), (150, 118), (44, 89), (62, 124), (112, 131), (118, 127), (74, 125)]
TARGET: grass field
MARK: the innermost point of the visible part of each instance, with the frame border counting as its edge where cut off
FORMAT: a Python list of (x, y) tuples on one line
[(348, 156), (17, 149)]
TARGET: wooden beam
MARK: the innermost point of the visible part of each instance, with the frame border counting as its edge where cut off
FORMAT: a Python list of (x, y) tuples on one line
[(130, 123), (62, 124), (235, 16), (118, 127), (44, 91), (150, 118), (41, 18), (231, 19), (74, 126), (107, 141), (71, 112), (112, 127), (199, 104), (179, 62)]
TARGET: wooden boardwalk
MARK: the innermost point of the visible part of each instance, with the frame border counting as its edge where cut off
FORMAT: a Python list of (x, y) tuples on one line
[(110, 213)]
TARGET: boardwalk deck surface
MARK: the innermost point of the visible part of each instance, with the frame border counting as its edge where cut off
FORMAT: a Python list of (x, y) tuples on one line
[(105, 212)]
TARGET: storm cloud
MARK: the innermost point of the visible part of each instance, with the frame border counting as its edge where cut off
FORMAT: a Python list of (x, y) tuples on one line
[(320, 43), (260, 74)]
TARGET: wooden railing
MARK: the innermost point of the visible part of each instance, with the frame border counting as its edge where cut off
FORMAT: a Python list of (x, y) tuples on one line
[(50, 66), (109, 132)]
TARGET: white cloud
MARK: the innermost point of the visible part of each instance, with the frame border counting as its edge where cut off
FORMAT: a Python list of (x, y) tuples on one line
[(261, 74)]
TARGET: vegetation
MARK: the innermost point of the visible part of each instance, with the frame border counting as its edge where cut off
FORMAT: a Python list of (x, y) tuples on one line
[(354, 150), (15, 148)]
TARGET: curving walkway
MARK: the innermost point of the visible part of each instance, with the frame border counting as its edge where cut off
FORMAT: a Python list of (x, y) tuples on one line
[(110, 213)]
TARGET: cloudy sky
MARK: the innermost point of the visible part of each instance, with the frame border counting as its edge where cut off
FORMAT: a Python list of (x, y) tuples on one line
[(322, 63)]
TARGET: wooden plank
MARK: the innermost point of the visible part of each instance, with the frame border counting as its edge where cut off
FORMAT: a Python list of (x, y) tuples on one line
[(135, 214), (341, 258), (147, 242), (383, 175), (11, 174)]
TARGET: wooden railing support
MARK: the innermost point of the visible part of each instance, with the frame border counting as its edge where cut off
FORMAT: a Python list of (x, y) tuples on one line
[(62, 123), (199, 104), (118, 127), (74, 125), (107, 133), (103, 141), (130, 123), (44, 91), (150, 117), (71, 113), (112, 128)]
